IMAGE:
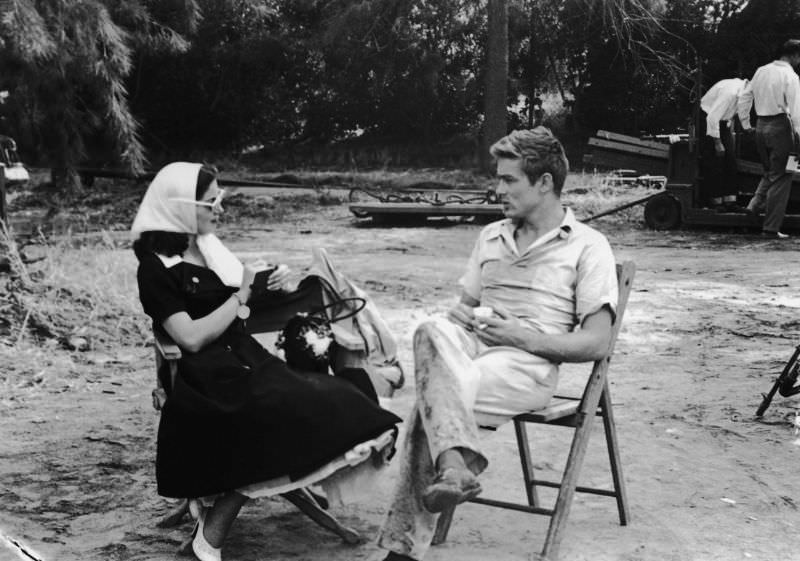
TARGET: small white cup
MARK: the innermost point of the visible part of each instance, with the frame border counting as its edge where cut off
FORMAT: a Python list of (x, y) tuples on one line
[(482, 312)]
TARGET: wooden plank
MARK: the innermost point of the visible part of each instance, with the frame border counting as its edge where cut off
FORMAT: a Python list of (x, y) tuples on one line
[(755, 168), (556, 409), (3, 204), (612, 444), (629, 148), (632, 140), (166, 346)]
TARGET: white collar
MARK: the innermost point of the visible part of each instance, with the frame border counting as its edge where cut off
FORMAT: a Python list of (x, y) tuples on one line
[(170, 261)]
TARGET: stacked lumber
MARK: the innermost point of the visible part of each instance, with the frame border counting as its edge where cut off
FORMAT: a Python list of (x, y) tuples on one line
[(613, 150)]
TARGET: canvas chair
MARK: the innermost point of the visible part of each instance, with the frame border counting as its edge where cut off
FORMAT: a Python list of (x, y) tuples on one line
[(311, 504), (578, 413)]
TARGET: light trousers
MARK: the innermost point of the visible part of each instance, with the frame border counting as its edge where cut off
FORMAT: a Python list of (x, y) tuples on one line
[(461, 384)]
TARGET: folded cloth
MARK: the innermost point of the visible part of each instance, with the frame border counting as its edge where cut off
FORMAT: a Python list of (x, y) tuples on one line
[(221, 260), (365, 338)]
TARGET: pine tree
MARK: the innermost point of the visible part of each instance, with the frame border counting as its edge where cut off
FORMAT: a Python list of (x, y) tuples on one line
[(64, 64)]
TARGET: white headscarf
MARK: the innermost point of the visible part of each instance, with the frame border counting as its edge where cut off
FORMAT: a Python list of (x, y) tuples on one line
[(159, 211)]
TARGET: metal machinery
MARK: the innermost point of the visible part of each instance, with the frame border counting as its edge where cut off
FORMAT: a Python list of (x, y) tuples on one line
[(684, 199), (14, 173)]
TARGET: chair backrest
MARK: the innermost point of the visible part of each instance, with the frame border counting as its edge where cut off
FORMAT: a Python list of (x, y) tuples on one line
[(597, 379)]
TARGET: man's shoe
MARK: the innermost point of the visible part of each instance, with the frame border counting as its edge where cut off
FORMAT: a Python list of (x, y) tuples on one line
[(451, 487), (774, 235)]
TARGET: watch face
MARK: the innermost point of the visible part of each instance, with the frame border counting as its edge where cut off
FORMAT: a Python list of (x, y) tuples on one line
[(243, 312)]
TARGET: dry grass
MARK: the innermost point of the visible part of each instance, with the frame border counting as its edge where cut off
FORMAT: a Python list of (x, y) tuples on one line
[(75, 293), (589, 194)]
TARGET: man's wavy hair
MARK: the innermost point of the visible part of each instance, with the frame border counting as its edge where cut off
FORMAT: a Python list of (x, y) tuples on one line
[(540, 152)]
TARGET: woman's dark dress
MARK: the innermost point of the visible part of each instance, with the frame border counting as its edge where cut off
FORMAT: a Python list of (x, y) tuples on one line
[(236, 414)]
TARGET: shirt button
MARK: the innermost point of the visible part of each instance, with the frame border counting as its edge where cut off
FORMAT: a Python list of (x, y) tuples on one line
[(195, 280), (246, 367), (228, 348)]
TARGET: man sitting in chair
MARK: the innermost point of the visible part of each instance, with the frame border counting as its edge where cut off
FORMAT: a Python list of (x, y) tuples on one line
[(531, 280)]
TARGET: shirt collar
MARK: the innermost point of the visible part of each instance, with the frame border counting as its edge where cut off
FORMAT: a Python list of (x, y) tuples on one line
[(169, 261), (782, 63), (506, 227)]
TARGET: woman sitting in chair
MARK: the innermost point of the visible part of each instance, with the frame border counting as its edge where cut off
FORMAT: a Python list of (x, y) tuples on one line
[(236, 415)]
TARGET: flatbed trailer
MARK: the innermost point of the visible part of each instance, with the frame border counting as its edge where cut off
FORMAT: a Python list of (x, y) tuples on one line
[(413, 203)]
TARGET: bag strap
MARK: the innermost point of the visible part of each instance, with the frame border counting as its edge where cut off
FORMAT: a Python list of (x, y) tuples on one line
[(340, 302)]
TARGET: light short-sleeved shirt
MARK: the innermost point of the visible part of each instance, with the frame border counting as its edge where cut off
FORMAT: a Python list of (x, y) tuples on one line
[(720, 103), (774, 89), (552, 285)]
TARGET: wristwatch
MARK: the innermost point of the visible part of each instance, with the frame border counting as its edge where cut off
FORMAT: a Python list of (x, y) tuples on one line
[(243, 311)]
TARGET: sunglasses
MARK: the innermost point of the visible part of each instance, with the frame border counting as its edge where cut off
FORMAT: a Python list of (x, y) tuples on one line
[(214, 204)]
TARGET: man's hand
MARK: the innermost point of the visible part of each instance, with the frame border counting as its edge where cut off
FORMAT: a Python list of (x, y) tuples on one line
[(719, 148), (462, 315), (502, 329)]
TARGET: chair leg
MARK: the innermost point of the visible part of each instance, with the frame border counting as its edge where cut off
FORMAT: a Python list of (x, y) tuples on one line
[(577, 453), (304, 501), (174, 516), (443, 526), (613, 456), (527, 464)]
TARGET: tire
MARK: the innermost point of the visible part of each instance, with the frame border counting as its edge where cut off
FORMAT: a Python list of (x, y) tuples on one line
[(662, 212), (87, 180)]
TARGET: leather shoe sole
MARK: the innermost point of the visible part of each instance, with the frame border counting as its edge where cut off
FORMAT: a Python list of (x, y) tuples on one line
[(451, 487)]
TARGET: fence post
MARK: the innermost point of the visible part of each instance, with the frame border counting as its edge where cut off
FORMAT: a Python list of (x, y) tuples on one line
[(3, 204)]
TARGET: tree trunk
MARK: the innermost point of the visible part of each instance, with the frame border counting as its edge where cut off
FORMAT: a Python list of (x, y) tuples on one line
[(496, 76)]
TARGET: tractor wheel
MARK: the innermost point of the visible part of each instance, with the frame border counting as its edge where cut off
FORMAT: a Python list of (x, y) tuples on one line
[(662, 212)]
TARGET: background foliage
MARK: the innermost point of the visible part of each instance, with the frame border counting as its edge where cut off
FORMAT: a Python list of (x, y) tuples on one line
[(99, 81)]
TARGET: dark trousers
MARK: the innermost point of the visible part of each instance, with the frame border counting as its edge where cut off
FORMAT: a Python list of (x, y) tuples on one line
[(774, 140), (718, 173)]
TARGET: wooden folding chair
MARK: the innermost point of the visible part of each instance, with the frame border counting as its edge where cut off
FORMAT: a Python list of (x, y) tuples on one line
[(312, 505), (578, 413)]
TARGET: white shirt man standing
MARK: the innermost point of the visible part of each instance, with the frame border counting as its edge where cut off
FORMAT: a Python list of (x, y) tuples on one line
[(775, 93)]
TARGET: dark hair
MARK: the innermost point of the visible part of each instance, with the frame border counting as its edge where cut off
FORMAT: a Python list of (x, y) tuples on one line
[(205, 176), (540, 152), (163, 243), (789, 48), (173, 243)]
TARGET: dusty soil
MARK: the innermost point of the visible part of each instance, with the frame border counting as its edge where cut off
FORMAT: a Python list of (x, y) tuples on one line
[(711, 320)]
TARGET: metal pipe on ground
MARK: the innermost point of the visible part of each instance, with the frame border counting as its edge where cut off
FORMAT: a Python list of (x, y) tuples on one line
[(622, 207)]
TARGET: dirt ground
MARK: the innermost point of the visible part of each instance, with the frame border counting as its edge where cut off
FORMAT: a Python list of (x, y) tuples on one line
[(711, 320)]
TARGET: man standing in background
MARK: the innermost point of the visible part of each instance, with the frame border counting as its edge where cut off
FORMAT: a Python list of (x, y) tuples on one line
[(775, 92), (717, 145)]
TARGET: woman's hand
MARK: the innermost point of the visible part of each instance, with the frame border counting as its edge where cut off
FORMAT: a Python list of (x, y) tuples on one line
[(279, 279)]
